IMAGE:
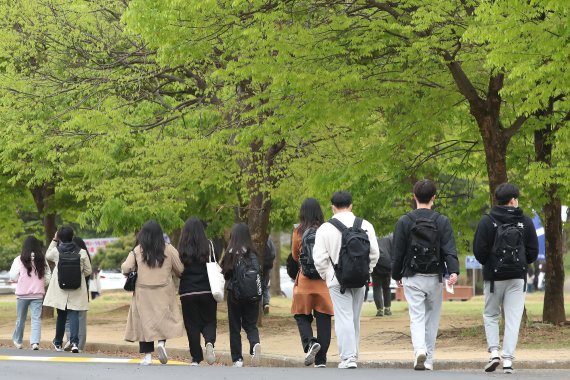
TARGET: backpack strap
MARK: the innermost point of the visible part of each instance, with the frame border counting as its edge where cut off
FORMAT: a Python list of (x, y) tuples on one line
[(338, 224), (357, 223), (495, 224)]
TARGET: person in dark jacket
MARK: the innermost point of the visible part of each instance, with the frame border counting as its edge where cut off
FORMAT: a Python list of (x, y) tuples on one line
[(424, 291), (198, 305), (506, 293), (381, 276), (241, 313), (268, 260)]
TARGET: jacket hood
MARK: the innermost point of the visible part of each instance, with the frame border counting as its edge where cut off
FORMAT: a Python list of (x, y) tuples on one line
[(67, 247), (505, 214)]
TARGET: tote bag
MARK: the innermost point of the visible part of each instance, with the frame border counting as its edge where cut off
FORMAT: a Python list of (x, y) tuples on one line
[(215, 276)]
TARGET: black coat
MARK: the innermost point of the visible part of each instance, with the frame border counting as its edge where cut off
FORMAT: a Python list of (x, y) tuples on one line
[(400, 247), (384, 264), (485, 235)]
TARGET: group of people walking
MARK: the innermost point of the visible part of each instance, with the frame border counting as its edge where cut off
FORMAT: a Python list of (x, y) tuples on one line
[(336, 258)]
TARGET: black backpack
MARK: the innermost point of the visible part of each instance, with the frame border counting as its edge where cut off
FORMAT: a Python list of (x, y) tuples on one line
[(352, 269), (292, 267), (69, 269), (508, 255), (423, 254), (306, 255), (247, 280)]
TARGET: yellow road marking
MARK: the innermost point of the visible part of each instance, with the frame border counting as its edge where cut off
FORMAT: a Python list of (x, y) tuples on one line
[(64, 359)]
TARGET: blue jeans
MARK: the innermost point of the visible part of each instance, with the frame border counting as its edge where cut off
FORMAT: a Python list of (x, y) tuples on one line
[(22, 312), (81, 331), (73, 326)]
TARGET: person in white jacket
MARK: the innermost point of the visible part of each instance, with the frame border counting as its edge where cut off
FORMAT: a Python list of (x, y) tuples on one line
[(347, 303), (32, 274), (67, 301)]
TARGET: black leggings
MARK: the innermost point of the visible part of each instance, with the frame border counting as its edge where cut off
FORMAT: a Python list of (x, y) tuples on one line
[(323, 333), (242, 314), (381, 287), (199, 312)]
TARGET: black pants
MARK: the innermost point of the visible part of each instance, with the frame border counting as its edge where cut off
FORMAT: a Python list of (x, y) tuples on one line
[(147, 347), (381, 288), (73, 326), (242, 314), (199, 312), (323, 333)]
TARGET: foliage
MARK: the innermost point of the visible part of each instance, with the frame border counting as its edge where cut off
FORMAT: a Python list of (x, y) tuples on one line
[(114, 254)]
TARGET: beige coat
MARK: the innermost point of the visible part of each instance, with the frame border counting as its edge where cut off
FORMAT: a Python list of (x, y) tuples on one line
[(75, 299), (154, 313)]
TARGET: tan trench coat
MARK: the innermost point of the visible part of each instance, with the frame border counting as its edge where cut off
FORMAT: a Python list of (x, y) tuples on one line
[(75, 299), (154, 313)]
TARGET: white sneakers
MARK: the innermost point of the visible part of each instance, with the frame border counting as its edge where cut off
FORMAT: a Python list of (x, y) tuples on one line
[(210, 354), (256, 356), (314, 348), (74, 348), (17, 345), (162, 356), (507, 366), (349, 363), (147, 360), (238, 363), (420, 361), (35, 346)]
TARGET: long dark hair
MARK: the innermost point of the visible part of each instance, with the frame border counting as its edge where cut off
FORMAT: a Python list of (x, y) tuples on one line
[(31, 244), (81, 244), (240, 243), (151, 240), (310, 215), (194, 246)]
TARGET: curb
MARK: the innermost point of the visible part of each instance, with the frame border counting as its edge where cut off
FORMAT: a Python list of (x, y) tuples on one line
[(224, 358)]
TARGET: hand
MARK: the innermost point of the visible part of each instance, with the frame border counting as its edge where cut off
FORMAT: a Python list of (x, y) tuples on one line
[(400, 284), (452, 279)]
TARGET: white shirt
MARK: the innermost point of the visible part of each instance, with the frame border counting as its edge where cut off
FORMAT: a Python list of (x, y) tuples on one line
[(328, 243)]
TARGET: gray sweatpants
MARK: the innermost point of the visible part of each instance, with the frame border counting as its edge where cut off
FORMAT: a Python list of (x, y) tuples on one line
[(510, 295), (347, 308), (424, 296)]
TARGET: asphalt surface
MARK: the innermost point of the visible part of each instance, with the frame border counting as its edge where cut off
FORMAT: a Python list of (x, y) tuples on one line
[(34, 365)]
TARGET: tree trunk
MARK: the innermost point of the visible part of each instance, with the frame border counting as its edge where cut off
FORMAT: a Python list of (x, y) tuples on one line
[(553, 309), (42, 195), (495, 153), (275, 274)]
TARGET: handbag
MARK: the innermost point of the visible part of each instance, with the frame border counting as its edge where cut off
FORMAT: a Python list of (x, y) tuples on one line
[(131, 279), (215, 276)]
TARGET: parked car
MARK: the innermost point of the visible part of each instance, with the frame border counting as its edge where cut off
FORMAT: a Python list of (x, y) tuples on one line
[(112, 279), (6, 286)]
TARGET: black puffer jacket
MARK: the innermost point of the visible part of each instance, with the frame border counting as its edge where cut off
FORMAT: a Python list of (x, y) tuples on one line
[(485, 235), (447, 251)]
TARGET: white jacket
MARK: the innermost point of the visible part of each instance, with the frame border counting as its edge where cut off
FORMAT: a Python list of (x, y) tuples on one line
[(328, 243)]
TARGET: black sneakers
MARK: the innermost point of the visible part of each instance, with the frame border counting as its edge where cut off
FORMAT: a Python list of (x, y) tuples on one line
[(314, 348)]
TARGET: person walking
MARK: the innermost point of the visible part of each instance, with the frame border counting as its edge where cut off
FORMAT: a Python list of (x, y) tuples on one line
[(154, 314), (198, 305), (423, 251), (242, 273), (347, 301), (95, 283), (82, 314), (505, 243), (66, 292), (311, 298), (381, 276), (268, 259), (32, 274)]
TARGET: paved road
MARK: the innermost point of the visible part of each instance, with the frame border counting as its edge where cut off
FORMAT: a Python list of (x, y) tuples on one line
[(30, 365)]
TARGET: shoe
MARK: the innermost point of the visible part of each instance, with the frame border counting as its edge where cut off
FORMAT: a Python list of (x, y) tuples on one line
[(508, 366), (35, 346), (348, 364), (194, 364), (266, 309), (147, 360), (429, 366), (420, 361), (210, 354), (74, 348), (379, 313), (238, 363), (387, 311), (256, 356), (493, 363), (314, 348), (17, 345), (67, 346), (320, 366), (162, 355), (57, 347)]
